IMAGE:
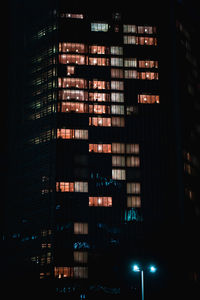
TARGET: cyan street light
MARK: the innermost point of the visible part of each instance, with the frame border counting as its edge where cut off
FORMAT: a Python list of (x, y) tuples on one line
[(136, 268)]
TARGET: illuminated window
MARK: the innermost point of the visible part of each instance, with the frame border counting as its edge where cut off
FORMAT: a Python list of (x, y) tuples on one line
[(99, 84), (99, 121), (132, 148), (117, 73), (63, 272), (130, 39), (130, 62), (70, 70), (100, 148), (130, 74), (133, 201), (148, 64), (118, 161), (98, 61), (73, 16), (132, 109), (99, 27), (149, 99), (118, 174), (132, 161), (99, 97), (99, 109), (73, 107), (94, 49), (80, 256), (117, 109), (118, 148), (100, 201), (80, 272), (146, 29), (133, 188), (118, 121), (72, 186), (147, 75), (130, 28), (72, 59), (149, 41), (81, 134), (116, 50), (73, 95), (117, 85), (116, 62), (80, 228), (72, 83), (117, 97), (72, 47)]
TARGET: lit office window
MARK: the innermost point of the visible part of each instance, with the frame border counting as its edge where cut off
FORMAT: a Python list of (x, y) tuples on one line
[(99, 109), (63, 272), (147, 75), (81, 186), (72, 59), (116, 62), (77, 186), (70, 70), (99, 121), (99, 84), (74, 107), (80, 272), (71, 16), (80, 256), (114, 50), (94, 49), (99, 27), (130, 62), (130, 39), (98, 61), (72, 83), (118, 148), (118, 121), (99, 97), (130, 28), (118, 174), (79, 95), (118, 161), (80, 134), (148, 64), (133, 188), (117, 109), (132, 161), (100, 148), (117, 73), (72, 47), (117, 97), (100, 201), (80, 228), (146, 29), (130, 74), (149, 41), (148, 99), (117, 85), (132, 148), (133, 201)]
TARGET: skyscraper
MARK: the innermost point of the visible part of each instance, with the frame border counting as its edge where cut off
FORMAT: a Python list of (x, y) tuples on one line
[(106, 161)]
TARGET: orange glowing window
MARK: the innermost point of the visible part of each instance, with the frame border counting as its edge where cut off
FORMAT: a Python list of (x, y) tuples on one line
[(64, 186), (99, 121), (99, 85), (149, 41), (80, 228), (117, 73), (146, 29), (99, 97), (73, 16), (147, 75), (133, 188), (148, 64), (100, 201), (99, 109), (81, 134), (72, 59), (63, 272), (148, 99), (72, 107), (94, 49), (100, 148), (72, 47), (133, 201), (118, 148), (118, 161), (79, 95), (70, 70), (132, 161), (72, 83), (99, 61)]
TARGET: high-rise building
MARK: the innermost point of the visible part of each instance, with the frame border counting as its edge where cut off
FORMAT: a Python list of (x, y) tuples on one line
[(108, 161)]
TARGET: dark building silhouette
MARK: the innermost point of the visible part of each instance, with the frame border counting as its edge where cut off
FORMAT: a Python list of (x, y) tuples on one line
[(103, 150)]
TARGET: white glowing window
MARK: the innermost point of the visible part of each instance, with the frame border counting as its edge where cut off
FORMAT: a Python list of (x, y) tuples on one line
[(99, 27), (130, 74), (130, 39), (116, 50), (80, 228), (133, 201), (130, 62), (130, 28), (117, 85), (116, 62), (118, 174), (118, 148), (118, 161), (133, 188), (117, 97), (81, 186), (117, 109)]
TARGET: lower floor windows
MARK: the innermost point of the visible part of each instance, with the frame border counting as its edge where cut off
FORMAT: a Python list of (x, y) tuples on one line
[(77, 186), (148, 99), (79, 134), (71, 272), (100, 201), (100, 148)]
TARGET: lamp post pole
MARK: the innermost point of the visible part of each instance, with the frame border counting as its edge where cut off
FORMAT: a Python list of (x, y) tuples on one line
[(142, 283)]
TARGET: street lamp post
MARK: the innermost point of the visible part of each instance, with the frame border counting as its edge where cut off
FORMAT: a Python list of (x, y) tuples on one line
[(136, 268)]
